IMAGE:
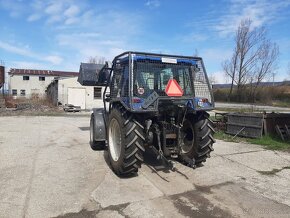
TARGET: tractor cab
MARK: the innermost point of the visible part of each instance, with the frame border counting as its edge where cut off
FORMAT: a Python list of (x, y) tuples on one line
[(141, 80)]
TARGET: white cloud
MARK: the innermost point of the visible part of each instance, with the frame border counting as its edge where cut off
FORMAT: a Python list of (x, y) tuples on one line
[(55, 7), (223, 23), (71, 20), (65, 12), (14, 49), (56, 60), (26, 52), (36, 10), (15, 8), (218, 77), (52, 10), (33, 17), (194, 37), (28, 65), (260, 12), (153, 3), (72, 11), (116, 31), (90, 44), (54, 19), (215, 54), (88, 34), (61, 37)]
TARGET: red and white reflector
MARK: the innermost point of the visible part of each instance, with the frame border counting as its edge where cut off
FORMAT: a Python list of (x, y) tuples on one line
[(173, 89)]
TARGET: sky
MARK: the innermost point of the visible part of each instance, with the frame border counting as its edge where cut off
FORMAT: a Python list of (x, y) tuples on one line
[(60, 34)]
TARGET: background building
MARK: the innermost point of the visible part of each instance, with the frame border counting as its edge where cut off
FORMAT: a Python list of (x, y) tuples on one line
[(82, 91), (28, 83), (69, 91)]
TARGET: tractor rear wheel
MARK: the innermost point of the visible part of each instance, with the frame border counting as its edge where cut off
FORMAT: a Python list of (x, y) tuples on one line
[(197, 139), (125, 140)]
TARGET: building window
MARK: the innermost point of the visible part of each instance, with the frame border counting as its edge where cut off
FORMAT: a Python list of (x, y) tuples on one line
[(22, 92), (25, 77), (41, 78), (14, 92), (97, 92)]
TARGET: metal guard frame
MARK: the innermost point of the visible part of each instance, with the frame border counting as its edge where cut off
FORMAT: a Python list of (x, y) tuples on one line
[(129, 55)]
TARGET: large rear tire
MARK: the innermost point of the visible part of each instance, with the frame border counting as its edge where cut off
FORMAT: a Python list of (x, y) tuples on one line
[(197, 138), (95, 145), (126, 142)]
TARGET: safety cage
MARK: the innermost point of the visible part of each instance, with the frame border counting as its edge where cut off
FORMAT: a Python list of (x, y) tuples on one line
[(140, 81)]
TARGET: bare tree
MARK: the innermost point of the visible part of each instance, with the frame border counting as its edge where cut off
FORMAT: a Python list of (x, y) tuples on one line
[(212, 79), (266, 64), (253, 58), (96, 60), (230, 68)]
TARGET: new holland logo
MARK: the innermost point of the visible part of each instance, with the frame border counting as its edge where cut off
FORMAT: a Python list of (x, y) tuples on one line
[(173, 89)]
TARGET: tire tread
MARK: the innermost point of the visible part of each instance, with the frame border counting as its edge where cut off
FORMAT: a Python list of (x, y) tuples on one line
[(133, 136)]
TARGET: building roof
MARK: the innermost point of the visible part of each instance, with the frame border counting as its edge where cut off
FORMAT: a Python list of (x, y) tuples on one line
[(14, 71)]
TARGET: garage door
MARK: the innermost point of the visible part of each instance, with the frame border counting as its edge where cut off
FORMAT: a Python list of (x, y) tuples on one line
[(77, 97)]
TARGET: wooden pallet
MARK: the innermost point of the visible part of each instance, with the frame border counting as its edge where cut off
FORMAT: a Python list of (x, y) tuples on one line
[(287, 128), (283, 131)]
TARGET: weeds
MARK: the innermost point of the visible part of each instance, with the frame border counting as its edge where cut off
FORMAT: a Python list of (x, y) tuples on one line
[(268, 141), (271, 142)]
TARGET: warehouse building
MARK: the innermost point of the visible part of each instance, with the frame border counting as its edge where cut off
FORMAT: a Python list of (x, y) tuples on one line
[(80, 91), (64, 91), (29, 83)]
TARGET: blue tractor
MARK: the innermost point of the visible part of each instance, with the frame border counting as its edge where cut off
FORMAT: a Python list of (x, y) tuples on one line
[(157, 102)]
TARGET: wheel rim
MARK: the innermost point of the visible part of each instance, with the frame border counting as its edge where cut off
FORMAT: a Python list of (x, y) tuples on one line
[(115, 139), (188, 137)]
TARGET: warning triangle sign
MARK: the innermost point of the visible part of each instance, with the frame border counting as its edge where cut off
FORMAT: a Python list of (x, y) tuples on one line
[(173, 89)]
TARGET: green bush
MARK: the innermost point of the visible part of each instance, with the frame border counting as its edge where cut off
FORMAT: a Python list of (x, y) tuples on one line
[(220, 94)]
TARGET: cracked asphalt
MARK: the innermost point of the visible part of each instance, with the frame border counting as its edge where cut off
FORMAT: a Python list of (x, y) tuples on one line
[(47, 169)]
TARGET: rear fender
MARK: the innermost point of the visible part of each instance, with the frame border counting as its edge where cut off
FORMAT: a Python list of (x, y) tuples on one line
[(100, 127)]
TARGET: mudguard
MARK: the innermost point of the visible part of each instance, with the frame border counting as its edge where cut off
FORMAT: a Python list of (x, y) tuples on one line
[(100, 127)]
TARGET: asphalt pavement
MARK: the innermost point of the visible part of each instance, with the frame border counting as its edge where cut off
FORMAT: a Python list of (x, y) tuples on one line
[(47, 169)]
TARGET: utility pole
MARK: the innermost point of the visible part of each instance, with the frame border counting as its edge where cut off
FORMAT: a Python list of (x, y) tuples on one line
[(273, 75)]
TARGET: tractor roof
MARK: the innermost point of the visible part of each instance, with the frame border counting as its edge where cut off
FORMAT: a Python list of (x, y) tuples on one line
[(162, 58)]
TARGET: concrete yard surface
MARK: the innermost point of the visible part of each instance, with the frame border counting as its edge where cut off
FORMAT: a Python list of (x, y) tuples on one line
[(47, 169)]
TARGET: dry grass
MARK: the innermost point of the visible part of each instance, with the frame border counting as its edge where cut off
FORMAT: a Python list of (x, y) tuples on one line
[(31, 106), (270, 95)]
